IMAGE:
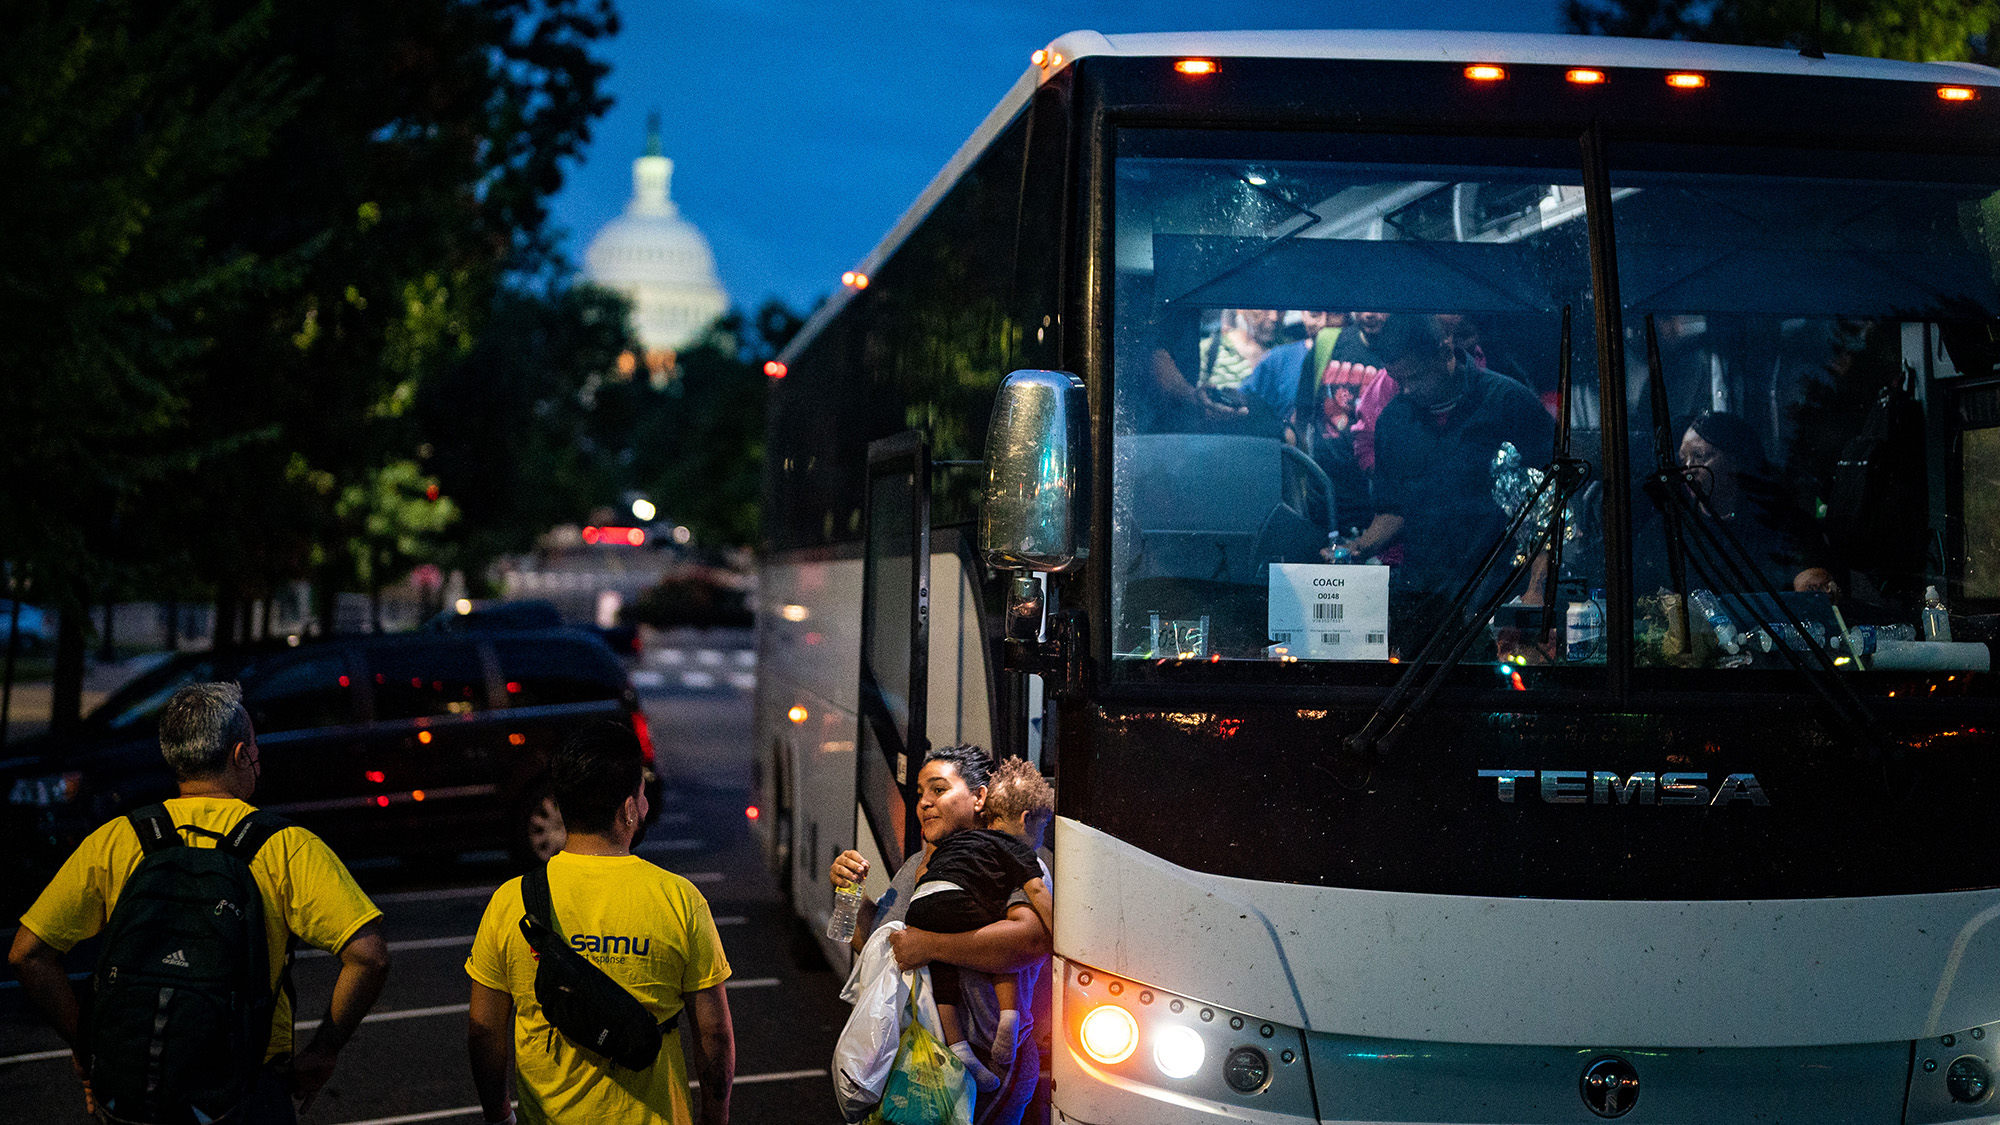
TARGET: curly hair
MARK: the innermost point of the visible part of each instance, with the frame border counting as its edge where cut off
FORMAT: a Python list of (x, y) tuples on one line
[(1017, 789)]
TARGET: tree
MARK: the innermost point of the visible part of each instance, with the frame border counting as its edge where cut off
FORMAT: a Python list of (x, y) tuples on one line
[(1914, 30), (509, 427), (249, 233), (115, 122)]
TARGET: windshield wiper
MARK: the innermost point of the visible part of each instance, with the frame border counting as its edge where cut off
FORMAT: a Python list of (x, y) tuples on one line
[(1670, 489), (1414, 689)]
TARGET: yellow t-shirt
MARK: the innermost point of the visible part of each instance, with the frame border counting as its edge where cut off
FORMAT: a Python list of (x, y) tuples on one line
[(650, 931), (307, 890)]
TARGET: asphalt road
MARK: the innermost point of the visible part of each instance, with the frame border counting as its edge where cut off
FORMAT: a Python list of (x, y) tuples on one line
[(408, 1064)]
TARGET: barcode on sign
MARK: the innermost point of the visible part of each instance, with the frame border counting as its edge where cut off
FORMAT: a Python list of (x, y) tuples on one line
[(1281, 638), (1328, 611), (1329, 638), (1377, 638)]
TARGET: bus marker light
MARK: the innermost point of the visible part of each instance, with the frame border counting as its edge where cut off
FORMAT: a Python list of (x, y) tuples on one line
[(1109, 1034), (797, 714), (1485, 72), (1681, 80), (1956, 93), (1039, 57), (1196, 68), (854, 279), (752, 812), (1583, 76), (774, 369), (1177, 1050)]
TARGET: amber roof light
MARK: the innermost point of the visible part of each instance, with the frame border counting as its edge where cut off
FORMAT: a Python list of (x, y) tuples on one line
[(1956, 93), (1682, 80), (1196, 67), (1583, 76), (1485, 72)]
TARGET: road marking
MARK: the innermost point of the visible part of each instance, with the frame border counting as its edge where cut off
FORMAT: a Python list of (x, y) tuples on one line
[(699, 680), (402, 1014), (774, 1076), (469, 1110), (398, 946), (440, 894), (683, 844)]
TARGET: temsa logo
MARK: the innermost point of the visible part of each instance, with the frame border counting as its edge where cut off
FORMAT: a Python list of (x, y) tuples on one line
[(1602, 787)]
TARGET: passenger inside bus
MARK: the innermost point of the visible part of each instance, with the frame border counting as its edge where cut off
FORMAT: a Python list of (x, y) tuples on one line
[(1433, 489)]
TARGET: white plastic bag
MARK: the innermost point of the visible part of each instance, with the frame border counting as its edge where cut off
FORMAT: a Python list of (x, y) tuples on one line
[(866, 1048)]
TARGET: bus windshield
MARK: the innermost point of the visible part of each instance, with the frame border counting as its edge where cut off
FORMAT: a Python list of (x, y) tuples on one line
[(1335, 372)]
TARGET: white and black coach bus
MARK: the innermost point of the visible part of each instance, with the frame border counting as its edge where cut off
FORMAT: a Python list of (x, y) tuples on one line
[(1601, 724)]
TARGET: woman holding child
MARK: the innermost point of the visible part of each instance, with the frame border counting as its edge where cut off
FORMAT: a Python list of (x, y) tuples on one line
[(958, 792)]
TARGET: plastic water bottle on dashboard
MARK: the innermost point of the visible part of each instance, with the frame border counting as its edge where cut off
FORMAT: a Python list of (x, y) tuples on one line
[(846, 912), (1937, 621), (1583, 628), (1705, 603)]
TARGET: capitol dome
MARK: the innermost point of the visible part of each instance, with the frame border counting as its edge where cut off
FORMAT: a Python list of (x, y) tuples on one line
[(658, 260)]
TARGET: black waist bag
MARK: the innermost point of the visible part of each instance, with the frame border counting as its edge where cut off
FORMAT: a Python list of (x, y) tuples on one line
[(591, 1010)]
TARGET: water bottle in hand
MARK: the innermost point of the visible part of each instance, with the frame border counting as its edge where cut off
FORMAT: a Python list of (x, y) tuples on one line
[(846, 911)]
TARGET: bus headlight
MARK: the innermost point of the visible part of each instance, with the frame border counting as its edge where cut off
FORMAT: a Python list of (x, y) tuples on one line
[(1109, 1034), (1177, 1050)]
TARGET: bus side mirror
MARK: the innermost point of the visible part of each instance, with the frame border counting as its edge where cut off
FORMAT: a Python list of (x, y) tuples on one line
[(1037, 499)]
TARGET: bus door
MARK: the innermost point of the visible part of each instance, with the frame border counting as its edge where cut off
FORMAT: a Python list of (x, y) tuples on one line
[(895, 641)]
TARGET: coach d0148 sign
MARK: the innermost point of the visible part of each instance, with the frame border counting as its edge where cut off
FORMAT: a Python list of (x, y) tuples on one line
[(1603, 787)]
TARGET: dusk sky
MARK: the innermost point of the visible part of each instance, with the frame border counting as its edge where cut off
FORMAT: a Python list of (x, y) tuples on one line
[(800, 130)]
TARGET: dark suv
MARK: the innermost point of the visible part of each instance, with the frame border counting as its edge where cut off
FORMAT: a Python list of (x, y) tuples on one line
[(415, 745)]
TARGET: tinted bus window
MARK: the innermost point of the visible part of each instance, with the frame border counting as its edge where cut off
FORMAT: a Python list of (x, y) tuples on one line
[(422, 680), (541, 672), (299, 694)]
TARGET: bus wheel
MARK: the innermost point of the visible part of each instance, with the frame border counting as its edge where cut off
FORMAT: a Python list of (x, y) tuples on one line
[(538, 831)]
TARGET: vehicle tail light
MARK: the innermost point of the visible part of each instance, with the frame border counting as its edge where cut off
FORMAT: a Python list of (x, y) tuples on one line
[(645, 733)]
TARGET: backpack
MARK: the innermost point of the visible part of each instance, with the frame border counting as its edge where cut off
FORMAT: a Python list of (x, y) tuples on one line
[(591, 1010), (181, 1006)]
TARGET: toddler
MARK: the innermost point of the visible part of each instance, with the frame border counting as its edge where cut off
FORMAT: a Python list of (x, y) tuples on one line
[(967, 884)]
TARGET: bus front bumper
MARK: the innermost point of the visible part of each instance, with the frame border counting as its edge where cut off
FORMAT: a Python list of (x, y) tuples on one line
[(1156, 1057)]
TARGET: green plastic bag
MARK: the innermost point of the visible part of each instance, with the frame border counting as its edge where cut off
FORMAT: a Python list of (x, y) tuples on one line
[(927, 1084)]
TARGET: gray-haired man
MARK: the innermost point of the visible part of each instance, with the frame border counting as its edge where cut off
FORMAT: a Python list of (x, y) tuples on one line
[(206, 738)]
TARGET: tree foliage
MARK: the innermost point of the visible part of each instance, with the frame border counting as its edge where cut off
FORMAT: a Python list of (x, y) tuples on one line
[(1914, 30), (245, 234)]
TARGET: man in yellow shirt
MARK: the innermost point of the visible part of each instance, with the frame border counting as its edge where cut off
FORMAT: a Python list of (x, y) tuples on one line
[(645, 927), (206, 738)]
